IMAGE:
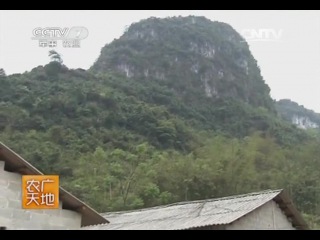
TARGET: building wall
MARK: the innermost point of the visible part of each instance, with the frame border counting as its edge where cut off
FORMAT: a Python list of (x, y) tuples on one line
[(13, 216), (267, 217)]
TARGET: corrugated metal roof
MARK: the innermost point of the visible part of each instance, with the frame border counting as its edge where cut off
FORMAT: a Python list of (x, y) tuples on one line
[(186, 215)]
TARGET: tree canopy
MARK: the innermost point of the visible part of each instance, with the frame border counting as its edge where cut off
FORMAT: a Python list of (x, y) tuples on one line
[(55, 57)]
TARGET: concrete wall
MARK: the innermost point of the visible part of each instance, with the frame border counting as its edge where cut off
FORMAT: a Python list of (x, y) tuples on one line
[(13, 216), (267, 217)]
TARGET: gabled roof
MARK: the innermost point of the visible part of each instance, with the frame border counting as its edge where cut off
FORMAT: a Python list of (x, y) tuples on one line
[(15, 163), (191, 215)]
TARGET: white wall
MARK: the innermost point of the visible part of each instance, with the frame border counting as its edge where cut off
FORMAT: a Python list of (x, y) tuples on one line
[(13, 216), (267, 217)]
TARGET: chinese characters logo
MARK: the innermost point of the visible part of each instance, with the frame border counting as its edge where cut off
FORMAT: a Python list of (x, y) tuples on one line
[(70, 37), (40, 192)]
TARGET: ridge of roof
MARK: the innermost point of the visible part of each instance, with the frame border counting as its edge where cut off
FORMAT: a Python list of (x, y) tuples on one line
[(196, 201)]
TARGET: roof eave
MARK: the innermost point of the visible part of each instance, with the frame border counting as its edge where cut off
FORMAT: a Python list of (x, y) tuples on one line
[(287, 206), (15, 163)]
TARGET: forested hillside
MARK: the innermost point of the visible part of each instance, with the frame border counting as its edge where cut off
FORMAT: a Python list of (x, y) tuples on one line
[(297, 114), (175, 109)]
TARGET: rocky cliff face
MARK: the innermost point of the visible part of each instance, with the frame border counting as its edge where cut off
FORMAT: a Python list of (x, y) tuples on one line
[(297, 114), (303, 122), (188, 54)]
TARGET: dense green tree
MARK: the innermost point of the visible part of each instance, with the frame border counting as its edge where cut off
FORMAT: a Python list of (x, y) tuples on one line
[(55, 56), (2, 72)]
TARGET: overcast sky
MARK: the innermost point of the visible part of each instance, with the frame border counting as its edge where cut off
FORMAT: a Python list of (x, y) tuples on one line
[(288, 52)]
